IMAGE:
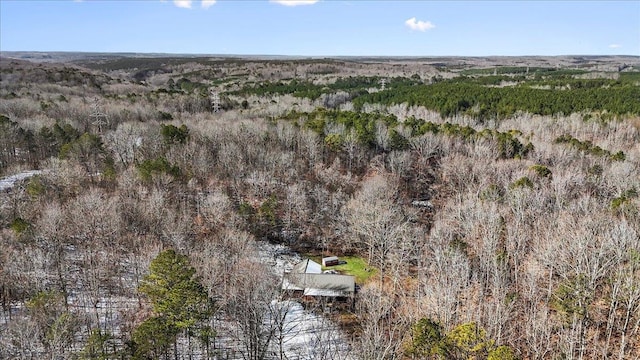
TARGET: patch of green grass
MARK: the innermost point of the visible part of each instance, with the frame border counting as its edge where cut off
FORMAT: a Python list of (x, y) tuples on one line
[(355, 266)]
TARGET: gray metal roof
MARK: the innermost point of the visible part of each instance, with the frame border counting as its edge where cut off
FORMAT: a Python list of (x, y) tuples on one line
[(320, 284), (307, 266)]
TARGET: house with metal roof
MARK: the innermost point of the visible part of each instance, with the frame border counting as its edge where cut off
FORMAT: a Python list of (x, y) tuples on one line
[(307, 277)]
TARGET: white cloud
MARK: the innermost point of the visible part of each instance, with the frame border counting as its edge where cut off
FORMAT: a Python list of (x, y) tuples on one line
[(294, 2), (186, 4), (207, 3), (419, 25), (615, 46)]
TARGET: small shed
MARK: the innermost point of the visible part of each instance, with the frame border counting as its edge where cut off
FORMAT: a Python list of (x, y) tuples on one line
[(330, 261)]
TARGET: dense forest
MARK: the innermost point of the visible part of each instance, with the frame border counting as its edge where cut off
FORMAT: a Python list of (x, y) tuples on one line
[(148, 207)]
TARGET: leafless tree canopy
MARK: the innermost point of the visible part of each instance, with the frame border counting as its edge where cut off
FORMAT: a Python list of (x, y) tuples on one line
[(523, 227)]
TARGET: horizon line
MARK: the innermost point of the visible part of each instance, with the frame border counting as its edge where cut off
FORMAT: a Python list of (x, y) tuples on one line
[(299, 56)]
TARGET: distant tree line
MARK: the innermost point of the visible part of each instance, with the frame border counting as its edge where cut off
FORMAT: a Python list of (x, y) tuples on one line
[(356, 85), (457, 96)]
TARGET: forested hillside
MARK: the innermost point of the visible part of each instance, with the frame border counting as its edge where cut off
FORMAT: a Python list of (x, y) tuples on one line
[(494, 210)]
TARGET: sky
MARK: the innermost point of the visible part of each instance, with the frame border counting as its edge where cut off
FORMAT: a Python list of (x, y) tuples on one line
[(323, 27)]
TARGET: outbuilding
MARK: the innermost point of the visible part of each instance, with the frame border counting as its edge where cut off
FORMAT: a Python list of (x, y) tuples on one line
[(330, 261)]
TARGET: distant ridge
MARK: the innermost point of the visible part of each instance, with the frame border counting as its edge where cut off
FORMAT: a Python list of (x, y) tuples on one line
[(70, 56)]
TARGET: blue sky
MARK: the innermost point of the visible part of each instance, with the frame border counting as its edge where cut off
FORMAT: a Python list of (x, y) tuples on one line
[(324, 27)]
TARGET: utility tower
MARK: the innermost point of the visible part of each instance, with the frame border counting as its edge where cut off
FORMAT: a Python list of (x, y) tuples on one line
[(383, 83), (98, 118), (215, 100)]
